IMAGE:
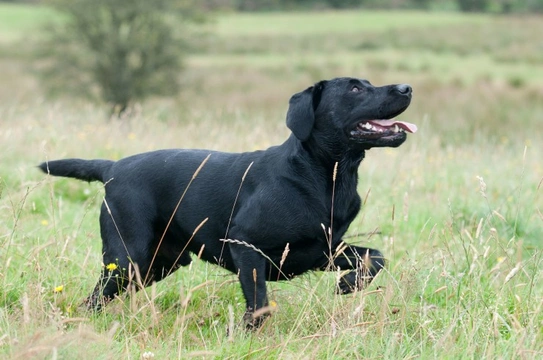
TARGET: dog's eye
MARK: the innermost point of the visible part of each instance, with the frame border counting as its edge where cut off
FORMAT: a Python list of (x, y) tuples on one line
[(355, 89)]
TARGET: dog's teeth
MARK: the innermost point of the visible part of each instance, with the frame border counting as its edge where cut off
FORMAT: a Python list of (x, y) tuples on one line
[(396, 128), (368, 126)]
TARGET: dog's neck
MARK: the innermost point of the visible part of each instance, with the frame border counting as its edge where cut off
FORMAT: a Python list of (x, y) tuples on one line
[(321, 163), (347, 158), (338, 183)]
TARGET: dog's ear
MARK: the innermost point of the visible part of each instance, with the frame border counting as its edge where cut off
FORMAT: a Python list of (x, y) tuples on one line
[(301, 111)]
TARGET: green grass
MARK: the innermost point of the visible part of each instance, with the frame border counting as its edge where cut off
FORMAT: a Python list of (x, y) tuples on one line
[(343, 22), (457, 208)]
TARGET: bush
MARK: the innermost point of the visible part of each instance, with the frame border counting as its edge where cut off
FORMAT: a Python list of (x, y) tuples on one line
[(124, 50)]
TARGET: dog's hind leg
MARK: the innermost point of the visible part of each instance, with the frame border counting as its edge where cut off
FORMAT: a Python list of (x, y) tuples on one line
[(170, 256), (126, 240)]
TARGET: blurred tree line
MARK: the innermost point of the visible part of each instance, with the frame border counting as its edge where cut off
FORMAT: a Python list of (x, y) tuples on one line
[(495, 6)]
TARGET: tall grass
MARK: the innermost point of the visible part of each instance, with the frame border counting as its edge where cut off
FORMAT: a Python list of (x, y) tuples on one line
[(457, 209)]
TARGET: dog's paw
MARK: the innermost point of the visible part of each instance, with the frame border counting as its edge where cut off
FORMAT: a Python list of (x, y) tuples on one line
[(347, 284), (355, 280), (369, 266), (95, 303), (254, 321), (343, 288)]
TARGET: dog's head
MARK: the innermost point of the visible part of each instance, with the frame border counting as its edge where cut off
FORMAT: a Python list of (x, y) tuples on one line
[(349, 113)]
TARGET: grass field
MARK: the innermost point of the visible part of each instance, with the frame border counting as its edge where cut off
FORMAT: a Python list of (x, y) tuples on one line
[(458, 209)]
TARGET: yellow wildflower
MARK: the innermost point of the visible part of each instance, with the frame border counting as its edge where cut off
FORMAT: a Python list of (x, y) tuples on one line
[(111, 266), (58, 289), (45, 222)]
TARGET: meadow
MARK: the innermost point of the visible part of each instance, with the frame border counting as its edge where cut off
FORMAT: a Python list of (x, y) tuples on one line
[(457, 209)]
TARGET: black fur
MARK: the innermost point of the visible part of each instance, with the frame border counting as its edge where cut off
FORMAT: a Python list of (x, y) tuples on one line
[(285, 196)]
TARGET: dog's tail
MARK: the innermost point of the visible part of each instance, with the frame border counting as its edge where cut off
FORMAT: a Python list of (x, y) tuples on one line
[(87, 170)]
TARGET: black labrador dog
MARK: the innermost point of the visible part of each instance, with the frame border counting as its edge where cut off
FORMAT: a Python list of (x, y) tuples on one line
[(265, 215)]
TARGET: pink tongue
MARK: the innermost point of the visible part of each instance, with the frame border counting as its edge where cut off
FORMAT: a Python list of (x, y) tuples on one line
[(412, 128)]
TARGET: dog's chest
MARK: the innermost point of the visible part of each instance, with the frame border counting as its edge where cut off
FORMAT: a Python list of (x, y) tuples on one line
[(344, 205)]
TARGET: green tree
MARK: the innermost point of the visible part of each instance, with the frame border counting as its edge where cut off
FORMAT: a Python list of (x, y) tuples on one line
[(123, 50), (472, 5)]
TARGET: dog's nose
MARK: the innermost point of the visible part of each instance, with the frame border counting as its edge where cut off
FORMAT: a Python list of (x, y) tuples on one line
[(404, 89)]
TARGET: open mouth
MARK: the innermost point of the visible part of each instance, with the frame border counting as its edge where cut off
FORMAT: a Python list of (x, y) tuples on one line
[(374, 129)]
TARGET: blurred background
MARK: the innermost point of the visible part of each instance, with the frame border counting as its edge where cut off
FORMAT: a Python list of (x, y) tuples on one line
[(251, 55), (457, 209)]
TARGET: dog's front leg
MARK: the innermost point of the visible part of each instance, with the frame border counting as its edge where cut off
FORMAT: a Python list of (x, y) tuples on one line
[(365, 263), (251, 267)]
